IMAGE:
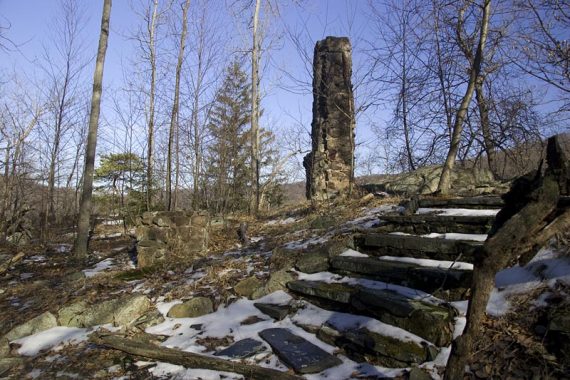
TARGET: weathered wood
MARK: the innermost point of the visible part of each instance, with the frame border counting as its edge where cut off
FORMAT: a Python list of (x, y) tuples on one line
[(531, 204), (187, 359), (428, 223), (11, 261), (418, 246), (467, 202)]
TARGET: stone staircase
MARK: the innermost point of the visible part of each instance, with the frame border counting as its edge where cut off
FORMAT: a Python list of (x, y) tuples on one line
[(390, 301)]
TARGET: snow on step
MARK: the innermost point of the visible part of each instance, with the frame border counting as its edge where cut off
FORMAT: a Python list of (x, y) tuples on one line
[(298, 353), (418, 246), (427, 223), (388, 303), (457, 211), (453, 280), (361, 336), (467, 202)]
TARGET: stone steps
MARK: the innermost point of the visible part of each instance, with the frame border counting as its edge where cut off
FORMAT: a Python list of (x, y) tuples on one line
[(427, 320), (429, 223), (487, 202), (379, 244), (448, 284), (365, 339)]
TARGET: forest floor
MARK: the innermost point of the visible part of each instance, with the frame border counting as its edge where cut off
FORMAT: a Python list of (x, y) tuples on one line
[(514, 344)]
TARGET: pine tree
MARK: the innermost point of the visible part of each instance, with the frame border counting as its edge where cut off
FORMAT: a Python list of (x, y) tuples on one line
[(229, 152)]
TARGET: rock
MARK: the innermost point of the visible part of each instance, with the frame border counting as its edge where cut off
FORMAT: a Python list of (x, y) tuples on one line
[(313, 262), (248, 286), (171, 234), (19, 239), (242, 349), (299, 354), (330, 165), (425, 181), (120, 312), (428, 223), (278, 281), (35, 325), (282, 258), (417, 373), (431, 322), (465, 202), (341, 293), (277, 312), (418, 246), (195, 307), (6, 364), (152, 318), (150, 253), (428, 279)]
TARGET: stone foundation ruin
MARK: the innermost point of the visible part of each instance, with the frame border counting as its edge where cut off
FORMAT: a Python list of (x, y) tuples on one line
[(330, 165), (162, 234)]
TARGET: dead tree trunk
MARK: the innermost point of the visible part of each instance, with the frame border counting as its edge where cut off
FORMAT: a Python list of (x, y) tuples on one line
[(188, 359), (530, 206)]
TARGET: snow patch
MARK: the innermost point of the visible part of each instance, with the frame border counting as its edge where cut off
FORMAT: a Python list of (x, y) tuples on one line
[(353, 253), (99, 267), (430, 263), (53, 338), (457, 211)]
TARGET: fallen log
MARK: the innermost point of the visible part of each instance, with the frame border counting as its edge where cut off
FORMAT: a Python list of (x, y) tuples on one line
[(187, 359), (11, 261)]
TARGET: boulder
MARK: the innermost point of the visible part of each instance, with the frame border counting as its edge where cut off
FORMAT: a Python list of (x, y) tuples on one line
[(248, 286), (278, 281), (120, 312), (313, 262), (35, 325), (195, 307)]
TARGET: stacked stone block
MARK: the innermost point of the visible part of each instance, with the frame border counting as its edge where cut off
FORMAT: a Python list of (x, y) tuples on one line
[(330, 165), (162, 235)]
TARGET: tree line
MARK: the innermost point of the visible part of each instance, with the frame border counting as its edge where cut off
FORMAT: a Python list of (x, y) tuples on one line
[(467, 80)]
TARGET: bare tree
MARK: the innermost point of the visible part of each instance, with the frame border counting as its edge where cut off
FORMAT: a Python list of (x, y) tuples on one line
[(255, 100), (474, 72), (173, 131), (82, 240)]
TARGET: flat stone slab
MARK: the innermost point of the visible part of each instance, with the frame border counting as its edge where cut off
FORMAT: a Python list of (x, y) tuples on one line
[(418, 247), (428, 223), (431, 322), (298, 353), (428, 279), (467, 202), (242, 349), (277, 312)]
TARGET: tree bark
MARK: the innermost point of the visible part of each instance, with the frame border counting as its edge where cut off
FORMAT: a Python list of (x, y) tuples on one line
[(175, 106), (188, 359), (82, 239), (255, 162), (518, 225), (150, 148), (485, 124), (461, 114)]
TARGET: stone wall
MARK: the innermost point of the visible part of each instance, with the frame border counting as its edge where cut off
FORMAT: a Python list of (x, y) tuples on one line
[(163, 235), (330, 165)]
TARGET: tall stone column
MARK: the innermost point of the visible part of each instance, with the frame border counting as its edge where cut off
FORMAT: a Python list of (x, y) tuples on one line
[(330, 165)]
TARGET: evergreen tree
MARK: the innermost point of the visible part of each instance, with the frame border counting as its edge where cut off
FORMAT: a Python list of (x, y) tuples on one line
[(229, 152)]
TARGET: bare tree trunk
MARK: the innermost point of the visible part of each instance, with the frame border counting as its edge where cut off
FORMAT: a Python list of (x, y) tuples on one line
[(485, 125), (150, 151), (174, 116), (255, 162), (461, 114), (85, 207)]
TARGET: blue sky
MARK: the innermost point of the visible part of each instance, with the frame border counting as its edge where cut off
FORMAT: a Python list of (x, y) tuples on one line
[(31, 27)]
